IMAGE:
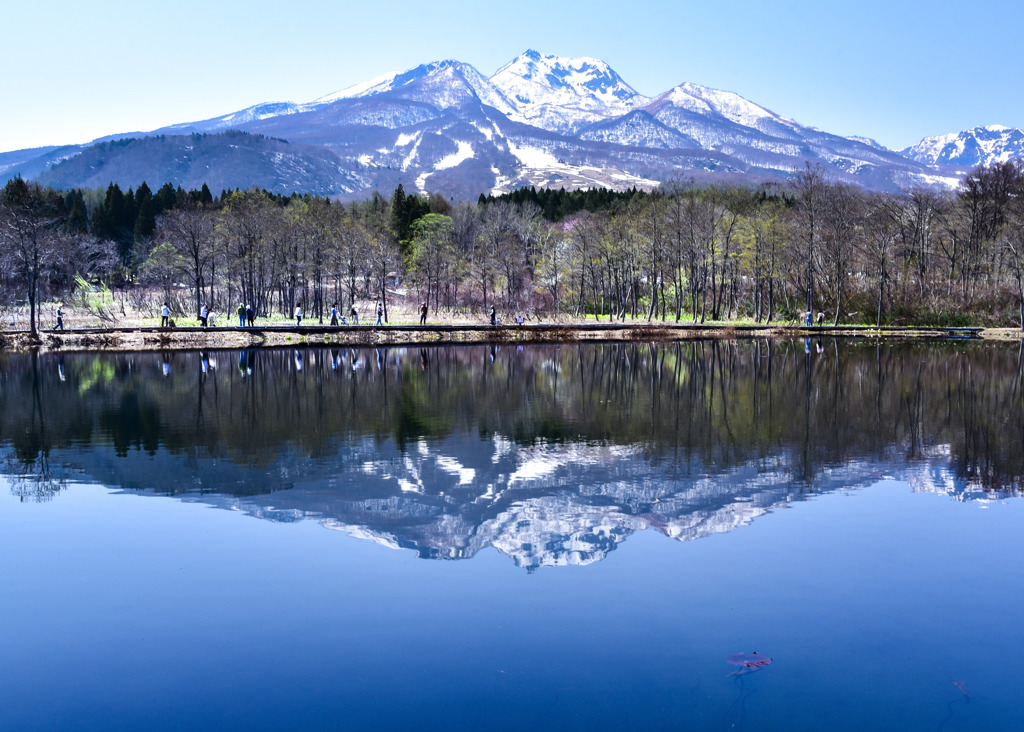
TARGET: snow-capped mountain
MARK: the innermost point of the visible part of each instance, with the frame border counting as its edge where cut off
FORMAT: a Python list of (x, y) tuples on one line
[(970, 148), (541, 120), (561, 94), (443, 84)]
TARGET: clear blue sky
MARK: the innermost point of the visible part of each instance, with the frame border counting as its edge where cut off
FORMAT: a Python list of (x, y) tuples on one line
[(895, 71)]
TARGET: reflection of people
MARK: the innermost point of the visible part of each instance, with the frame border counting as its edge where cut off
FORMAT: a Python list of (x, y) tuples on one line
[(165, 315), (298, 360), (423, 314), (204, 362), (60, 367), (166, 364)]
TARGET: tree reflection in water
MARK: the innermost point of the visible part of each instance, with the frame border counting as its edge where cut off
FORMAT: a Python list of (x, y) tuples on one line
[(552, 454)]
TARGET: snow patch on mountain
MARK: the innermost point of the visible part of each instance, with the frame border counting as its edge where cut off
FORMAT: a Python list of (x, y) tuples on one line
[(411, 156), (465, 152), (532, 157), (404, 139), (541, 169), (486, 131)]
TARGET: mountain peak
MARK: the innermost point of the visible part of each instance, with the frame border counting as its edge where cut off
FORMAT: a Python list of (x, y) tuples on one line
[(582, 75), (581, 89), (727, 104), (446, 83)]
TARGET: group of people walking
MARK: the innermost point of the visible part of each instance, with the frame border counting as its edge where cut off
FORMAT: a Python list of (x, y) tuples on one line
[(247, 315)]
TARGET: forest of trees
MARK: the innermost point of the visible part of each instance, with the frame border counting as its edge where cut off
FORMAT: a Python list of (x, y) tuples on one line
[(683, 252)]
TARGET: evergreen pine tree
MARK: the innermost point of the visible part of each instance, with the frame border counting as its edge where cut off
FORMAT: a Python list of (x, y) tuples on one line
[(145, 219), (164, 199), (78, 220), (399, 211)]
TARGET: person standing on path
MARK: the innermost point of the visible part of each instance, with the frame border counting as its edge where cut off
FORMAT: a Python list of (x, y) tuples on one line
[(241, 316), (334, 314), (165, 315), (494, 316), (60, 318), (380, 313), (298, 314), (354, 315), (204, 313), (423, 314), (250, 315)]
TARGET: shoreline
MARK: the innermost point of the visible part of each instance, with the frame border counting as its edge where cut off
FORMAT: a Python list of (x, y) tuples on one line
[(196, 338)]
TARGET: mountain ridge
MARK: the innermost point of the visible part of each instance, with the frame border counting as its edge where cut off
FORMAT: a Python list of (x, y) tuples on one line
[(539, 120)]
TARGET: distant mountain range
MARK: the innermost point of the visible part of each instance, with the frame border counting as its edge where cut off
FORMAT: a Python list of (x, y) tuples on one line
[(970, 148), (540, 120)]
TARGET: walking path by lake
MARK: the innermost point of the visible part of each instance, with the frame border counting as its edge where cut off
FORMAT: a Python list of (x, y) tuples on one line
[(149, 338)]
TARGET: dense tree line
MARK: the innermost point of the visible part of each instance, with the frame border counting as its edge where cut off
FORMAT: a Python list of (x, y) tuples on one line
[(681, 253), (557, 205)]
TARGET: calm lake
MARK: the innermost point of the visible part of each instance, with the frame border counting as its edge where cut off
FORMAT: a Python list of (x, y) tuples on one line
[(709, 535)]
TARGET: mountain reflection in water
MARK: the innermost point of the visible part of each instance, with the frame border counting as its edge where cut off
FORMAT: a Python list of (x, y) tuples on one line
[(551, 454)]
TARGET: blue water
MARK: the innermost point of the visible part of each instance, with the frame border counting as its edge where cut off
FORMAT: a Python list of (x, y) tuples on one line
[(573, 537), (120, 611)]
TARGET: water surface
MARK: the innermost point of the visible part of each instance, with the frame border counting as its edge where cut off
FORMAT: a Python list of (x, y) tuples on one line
[(634, 516)]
